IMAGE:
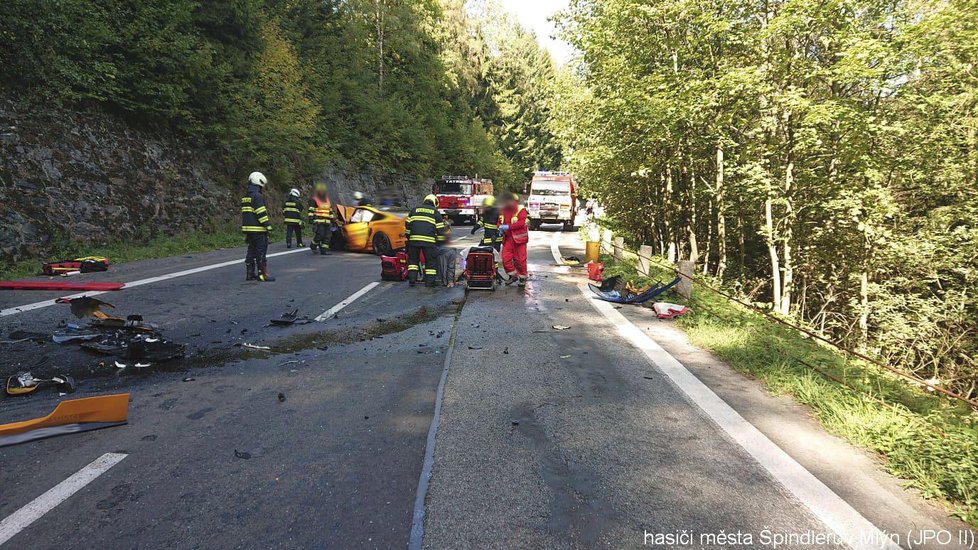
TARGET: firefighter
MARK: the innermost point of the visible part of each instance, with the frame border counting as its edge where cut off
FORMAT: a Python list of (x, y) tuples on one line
[(425, 229), (293, 219), (361, 199), (515, 235), (321, 216), (256, 225), (489, 222)]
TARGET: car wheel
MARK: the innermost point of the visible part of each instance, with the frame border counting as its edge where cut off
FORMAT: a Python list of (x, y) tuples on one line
[(382, 245)]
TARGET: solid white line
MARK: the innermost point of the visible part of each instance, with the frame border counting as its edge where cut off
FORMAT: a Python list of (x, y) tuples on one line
[(33, 510), (851, 527), (329, 313), (828, 507), (140, 282)]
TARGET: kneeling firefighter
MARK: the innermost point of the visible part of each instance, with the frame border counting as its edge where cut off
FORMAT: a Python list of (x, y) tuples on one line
[(425, 229), (489, 222), (293, 219), (515, 235), (255, 224), (321, 216)]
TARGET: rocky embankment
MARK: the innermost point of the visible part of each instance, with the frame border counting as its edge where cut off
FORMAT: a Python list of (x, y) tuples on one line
[(71, 180), (88, 178)]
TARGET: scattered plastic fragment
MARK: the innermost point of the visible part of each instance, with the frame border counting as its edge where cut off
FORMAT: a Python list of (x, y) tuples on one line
[(560, 327), (242, 454), (281, 397), (72, 416), (24, 382), (253, 346)]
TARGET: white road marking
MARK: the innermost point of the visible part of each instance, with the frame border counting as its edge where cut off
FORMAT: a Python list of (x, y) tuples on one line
[(832, 510), (329, 313), (140, 282), (851, 527), (33, 510)]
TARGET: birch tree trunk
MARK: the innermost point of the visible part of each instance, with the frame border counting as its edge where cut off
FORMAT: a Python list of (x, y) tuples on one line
[(721, 216)]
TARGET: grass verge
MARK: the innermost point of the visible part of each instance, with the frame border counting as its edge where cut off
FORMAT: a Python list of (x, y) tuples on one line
[(139, 248), (926, 439)]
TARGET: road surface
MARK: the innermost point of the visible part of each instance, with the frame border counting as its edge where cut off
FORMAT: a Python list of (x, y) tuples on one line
[(375, 428)]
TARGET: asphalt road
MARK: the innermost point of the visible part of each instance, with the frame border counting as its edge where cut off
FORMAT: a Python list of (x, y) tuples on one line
[(546, 438)]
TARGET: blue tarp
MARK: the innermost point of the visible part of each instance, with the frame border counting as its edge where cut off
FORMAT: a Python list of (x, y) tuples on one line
[(615, 297)]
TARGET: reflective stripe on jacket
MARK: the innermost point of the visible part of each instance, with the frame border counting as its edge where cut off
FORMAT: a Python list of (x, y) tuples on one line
[(425, 226), (320, 210), (516, 220), (254, 213), (291, 212)]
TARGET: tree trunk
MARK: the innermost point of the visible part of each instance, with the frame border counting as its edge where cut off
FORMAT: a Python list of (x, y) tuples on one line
[(721, 217), (772, 249), (379, 23), (788, 235), (667, 214)]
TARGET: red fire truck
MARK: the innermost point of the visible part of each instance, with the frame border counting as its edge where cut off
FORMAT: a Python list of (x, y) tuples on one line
[(460, 197)]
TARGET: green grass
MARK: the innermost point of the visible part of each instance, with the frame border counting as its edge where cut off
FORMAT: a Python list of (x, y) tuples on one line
[(928, 440), (140, 248)]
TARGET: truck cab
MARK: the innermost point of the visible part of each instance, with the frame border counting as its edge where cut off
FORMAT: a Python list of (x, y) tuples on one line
[(460, 197), (552, 199)]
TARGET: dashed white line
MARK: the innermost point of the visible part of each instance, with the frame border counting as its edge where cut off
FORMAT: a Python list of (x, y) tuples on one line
[(140, 282), (33, 510), (329, 313)]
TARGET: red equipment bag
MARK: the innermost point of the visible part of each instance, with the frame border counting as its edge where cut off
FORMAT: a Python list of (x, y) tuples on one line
[(480, 268), (394, 268), (595, 270), (90, 264)]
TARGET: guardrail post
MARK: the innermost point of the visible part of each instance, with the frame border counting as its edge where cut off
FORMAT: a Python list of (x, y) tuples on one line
[(686, 270), (644, 253), (619, 245)]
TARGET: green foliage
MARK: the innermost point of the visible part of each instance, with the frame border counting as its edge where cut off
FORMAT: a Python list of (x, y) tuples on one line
[(928, 440), (820, 156), (287, 86)]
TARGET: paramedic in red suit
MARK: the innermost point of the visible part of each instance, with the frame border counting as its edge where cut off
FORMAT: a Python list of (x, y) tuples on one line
[(515, 234)]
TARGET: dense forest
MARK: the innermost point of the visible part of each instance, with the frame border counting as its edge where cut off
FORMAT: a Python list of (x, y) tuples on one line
[(820, 155), (416, 87)]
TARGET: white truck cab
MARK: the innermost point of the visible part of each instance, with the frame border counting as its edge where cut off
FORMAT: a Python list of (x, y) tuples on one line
[(552, 199)]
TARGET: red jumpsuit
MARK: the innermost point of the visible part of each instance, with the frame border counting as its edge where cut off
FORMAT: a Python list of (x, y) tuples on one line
[(514, 240)]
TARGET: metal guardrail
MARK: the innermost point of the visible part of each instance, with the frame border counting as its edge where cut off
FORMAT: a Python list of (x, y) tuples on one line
[(607, 242)]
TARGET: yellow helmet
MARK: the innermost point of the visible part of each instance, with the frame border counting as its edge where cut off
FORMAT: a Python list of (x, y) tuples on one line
[(489, 201), (432, 200)]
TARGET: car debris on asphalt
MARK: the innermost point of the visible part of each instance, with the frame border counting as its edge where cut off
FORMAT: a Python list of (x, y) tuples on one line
[(70, 416), (24, 383)]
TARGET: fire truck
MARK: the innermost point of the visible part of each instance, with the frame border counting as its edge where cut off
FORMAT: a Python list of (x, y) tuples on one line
[(552, 199), (460, 197)]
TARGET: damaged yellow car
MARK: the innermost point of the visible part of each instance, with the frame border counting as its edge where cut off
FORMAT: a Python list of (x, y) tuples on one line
[(369, 229)]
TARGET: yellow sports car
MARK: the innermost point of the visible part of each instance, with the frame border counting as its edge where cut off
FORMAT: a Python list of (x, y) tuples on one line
[(367, 229)]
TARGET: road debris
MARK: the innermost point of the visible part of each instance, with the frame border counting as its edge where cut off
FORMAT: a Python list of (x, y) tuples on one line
[(71, 416), (24, 382), (664, 310), (290, 318), (256, 347), (189, 379), (560, 327), (242, 455), (86, 306), (281, 397)]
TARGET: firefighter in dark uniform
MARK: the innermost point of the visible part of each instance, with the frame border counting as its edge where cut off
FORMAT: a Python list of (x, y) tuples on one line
[(293, 219), (489, 222), (321, 216), (425, 228), (256, 225)]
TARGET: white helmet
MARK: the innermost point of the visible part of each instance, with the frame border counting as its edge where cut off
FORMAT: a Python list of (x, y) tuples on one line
[(257, 178), (294, 192), (357, 195)]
